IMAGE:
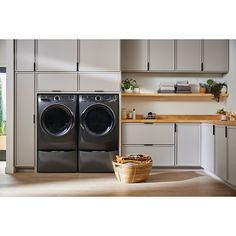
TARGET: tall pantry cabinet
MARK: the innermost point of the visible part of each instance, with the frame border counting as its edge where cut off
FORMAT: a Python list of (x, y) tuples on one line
[(24, 99)]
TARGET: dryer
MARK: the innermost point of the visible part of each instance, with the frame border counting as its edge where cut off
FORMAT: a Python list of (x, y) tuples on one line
[(57, 133), (98, 141)]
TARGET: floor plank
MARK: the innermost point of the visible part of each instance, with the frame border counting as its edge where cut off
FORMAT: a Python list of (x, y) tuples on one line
[(164, 182)]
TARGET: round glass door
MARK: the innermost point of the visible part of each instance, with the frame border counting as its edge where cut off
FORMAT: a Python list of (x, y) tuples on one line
[(57, 120), (98, 120)]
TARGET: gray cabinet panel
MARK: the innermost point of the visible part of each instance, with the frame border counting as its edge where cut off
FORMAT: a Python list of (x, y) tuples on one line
[(207, 148), (161, 155), (216, 55), (99, 55), (24, 120), (161, 55), (56, 55), (188, 144), (24, 55), (232, 155), (221, 152), (188, 55), (134, 55)]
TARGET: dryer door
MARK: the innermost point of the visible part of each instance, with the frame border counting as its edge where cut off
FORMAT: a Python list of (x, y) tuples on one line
[(57, 120), (98, 120)]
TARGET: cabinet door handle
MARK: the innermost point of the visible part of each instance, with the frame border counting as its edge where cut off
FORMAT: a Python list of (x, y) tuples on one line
[(148, 65), (202, 66), (214, 130), (148, 144), (148, 123), (226, 131), (34, 118)]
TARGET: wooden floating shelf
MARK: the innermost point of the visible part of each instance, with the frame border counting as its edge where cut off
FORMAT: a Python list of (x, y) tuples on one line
[(175, 96)]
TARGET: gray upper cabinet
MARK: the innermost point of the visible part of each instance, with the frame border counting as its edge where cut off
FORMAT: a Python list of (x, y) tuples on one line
[(216, 56), (56, 55), (99, 55), (161, 55), (188, 55), (134, 55), (24, 55)]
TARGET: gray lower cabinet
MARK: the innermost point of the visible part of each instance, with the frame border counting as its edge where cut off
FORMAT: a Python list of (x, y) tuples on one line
[(24, 120), (162, 155), (56, 55), (216, 56), (134, 55), (221, 152), (231, 155), (161, 55), (24, 55), (208, 147), (99, 55), (188, 55), (188, 145)]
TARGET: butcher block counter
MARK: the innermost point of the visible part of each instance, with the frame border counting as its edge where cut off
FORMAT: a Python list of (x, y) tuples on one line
[(208, 119)]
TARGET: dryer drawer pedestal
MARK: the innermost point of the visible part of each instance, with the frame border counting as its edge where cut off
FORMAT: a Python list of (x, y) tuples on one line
[(57, 161), (96, 161)]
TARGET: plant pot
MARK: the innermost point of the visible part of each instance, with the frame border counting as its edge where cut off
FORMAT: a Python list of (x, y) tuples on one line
[(136, 90), (223, 117), (202, 90), (128, 90)]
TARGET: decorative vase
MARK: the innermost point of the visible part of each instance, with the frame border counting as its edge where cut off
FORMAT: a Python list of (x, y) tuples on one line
[(128, 90), (136, 90), (202, 90)]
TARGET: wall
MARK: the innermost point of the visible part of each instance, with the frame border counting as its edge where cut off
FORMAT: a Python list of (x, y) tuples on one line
[(149, 82)]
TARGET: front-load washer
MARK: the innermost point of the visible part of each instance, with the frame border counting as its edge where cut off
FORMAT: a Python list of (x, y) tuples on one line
[(98, 141), (57, 133)]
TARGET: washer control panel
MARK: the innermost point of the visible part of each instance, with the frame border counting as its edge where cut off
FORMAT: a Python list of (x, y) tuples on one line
[(57, 98), (99, 98)]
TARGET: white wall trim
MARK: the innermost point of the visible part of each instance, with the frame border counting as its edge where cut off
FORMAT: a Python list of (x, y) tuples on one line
[(10, 106)]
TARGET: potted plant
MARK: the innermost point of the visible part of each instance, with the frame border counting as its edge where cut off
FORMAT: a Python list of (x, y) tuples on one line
[(222, 112), (202, 88), (216, 87), (128, 85)]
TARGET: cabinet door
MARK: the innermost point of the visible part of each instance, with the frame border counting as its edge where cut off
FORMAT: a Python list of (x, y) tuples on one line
[(56, 55), (161, 155), (24, 55), (221, 152), (207, 147), (147, 133), (161, 55), (188, 144), (188, 55), (24, 120), (232, 155), (134, 55), (100, 82), (99, 55), (62, 82), (216, 55)]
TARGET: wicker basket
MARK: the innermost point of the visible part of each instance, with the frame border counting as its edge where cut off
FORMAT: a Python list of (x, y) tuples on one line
[(132, 173)]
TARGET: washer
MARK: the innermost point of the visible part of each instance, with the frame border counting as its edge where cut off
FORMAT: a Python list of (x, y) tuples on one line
[(57, 133), (98, 132)]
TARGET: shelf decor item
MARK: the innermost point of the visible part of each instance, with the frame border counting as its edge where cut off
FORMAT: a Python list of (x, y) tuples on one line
[(223, 113), (132, 168), (129, 86)]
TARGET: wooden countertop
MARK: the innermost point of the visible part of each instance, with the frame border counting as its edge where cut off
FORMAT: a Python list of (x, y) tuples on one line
[(208, 119)]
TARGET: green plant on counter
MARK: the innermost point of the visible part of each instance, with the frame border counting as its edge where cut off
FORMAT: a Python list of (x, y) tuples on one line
[(128, 84), (221, 111), (3, 128), (214, 88)]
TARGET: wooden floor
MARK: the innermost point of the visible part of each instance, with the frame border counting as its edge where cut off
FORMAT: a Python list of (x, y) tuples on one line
[(161, 183)]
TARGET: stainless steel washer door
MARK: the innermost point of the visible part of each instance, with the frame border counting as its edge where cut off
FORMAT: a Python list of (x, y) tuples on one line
[(98, 120), (57, 120)]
